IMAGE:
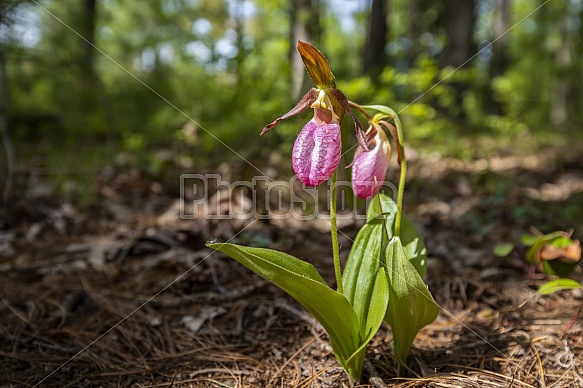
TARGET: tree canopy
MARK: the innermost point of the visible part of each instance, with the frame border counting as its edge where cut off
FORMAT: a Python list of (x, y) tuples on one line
[(194, 75)]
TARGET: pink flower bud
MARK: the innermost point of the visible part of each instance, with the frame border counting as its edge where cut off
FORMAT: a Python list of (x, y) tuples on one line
[(316, 152), (369, 168)]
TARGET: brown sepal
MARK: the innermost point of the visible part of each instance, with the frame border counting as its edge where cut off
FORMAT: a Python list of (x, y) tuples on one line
[(317, 66)]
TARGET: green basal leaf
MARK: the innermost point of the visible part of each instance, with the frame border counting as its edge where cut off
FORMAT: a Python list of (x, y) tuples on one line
[(378, 306), (374, 318), (361, 268), (303, 282), (411, 305), (369, 252), (414, 246), (503, 250), (365, 285), (557, 285)]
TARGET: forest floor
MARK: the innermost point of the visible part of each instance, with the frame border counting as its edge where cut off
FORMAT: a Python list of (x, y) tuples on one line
[(125, 293)]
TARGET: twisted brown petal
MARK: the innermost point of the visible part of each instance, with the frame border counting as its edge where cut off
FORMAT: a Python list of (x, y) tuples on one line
[(301, 106), (393, 130)]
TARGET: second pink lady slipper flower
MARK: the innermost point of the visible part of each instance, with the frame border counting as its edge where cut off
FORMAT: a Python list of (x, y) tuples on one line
[(369, 168)]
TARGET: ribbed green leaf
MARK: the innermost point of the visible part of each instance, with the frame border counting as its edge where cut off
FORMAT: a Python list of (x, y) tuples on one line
[(374, 318), (361, 268), (303, 282), (378, 306), (412, 242), (411, 305)]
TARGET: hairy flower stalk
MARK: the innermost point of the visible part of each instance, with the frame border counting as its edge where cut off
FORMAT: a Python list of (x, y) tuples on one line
[(369, 168)]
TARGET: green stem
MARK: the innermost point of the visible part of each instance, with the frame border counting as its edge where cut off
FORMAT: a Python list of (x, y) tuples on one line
[(334, 232), (403, 177)]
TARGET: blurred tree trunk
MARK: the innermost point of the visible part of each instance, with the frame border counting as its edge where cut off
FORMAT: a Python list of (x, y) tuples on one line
[(305, 26), (499, 59), (576, 101), (376, 40), (561, 112), (7, 144), (4, 128), (88, 32), (86, 54), (500, 25), (239, 30), (459, 28), (414, 31), (95, 101)]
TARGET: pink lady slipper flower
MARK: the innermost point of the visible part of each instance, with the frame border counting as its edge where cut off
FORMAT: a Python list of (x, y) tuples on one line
[(317, 149), (369, 168)]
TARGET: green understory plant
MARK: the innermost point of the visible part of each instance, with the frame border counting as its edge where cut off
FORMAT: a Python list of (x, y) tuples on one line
[(555, 254), (383, 277)]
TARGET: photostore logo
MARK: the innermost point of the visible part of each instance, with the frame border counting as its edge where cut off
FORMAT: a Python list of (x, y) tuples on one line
[(208, 196)]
